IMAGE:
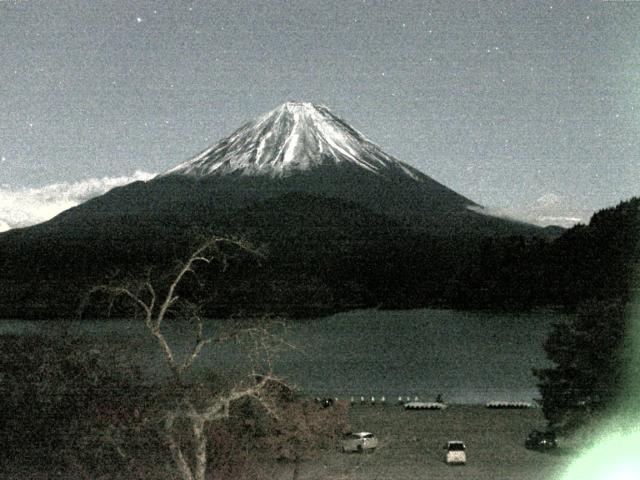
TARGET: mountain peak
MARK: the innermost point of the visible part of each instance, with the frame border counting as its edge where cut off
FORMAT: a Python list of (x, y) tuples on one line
[(294, 137), (300, 107)]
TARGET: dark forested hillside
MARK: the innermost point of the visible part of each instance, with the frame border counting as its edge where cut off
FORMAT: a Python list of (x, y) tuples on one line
[(594, 268), (588, 262), (324, 255), (597, 261)]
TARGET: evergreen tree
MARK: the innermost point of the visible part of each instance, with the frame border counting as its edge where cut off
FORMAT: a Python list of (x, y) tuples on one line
[(589, 360)]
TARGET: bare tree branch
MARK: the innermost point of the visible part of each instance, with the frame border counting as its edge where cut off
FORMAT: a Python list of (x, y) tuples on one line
[(156, 307), (186, 364)]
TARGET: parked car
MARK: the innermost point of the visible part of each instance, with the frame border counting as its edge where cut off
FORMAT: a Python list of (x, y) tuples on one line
[(327, 402), (359, 442), (456, 452), (538, 440)]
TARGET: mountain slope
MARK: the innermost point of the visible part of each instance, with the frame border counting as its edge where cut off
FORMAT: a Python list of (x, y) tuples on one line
[(345, 223), (298, 147)]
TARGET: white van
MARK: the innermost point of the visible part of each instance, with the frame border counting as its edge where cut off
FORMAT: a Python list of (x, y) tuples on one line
[(456, 452), (359, 442)]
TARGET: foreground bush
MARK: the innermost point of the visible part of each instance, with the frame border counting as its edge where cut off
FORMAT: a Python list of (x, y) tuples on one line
[(65, 402), (70, 407)]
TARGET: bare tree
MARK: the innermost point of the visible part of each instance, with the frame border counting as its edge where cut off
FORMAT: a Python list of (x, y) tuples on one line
[(156, 305)]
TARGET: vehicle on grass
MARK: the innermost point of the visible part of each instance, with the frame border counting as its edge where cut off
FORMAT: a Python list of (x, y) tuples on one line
[(456, 452), (327, 402), (542, 441), (359, 442)]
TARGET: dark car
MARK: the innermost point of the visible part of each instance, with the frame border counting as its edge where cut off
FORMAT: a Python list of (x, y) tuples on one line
[(538, 440)]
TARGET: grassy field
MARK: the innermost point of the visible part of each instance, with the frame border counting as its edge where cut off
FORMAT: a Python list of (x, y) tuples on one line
[(411, 446)]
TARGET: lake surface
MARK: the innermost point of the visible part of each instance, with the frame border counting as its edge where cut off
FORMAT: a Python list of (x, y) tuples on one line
[(468, 357)]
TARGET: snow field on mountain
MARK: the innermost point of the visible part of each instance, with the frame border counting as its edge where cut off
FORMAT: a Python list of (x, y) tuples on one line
[(293, 137)]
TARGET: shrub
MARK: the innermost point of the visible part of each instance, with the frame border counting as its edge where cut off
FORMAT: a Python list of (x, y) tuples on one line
[(67, 402)]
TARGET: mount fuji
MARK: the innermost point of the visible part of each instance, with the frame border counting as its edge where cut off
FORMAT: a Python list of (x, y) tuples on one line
[(294, 137), (345, 223), (301, 148)]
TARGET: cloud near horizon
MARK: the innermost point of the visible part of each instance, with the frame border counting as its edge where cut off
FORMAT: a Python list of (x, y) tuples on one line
[(549, 209), (21, 207)]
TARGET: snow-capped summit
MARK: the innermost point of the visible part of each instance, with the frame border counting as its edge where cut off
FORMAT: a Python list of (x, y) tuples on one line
[(296, 136)]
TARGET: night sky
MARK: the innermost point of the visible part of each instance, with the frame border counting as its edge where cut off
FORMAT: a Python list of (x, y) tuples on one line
[(530, 108)]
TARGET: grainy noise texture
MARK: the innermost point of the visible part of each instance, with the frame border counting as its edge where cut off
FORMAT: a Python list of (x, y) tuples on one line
[(471, 94)]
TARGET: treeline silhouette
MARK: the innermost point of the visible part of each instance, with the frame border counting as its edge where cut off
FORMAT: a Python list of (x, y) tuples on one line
[(322, 255), (591, 352)]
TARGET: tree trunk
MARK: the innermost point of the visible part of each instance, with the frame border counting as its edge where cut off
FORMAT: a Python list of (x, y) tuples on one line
[(200, 440), (176, 452)]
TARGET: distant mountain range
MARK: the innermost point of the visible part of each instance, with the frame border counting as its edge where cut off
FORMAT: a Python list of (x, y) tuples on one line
[(346, 224)]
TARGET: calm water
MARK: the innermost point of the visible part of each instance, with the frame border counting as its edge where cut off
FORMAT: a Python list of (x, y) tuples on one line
[(467, 357)]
